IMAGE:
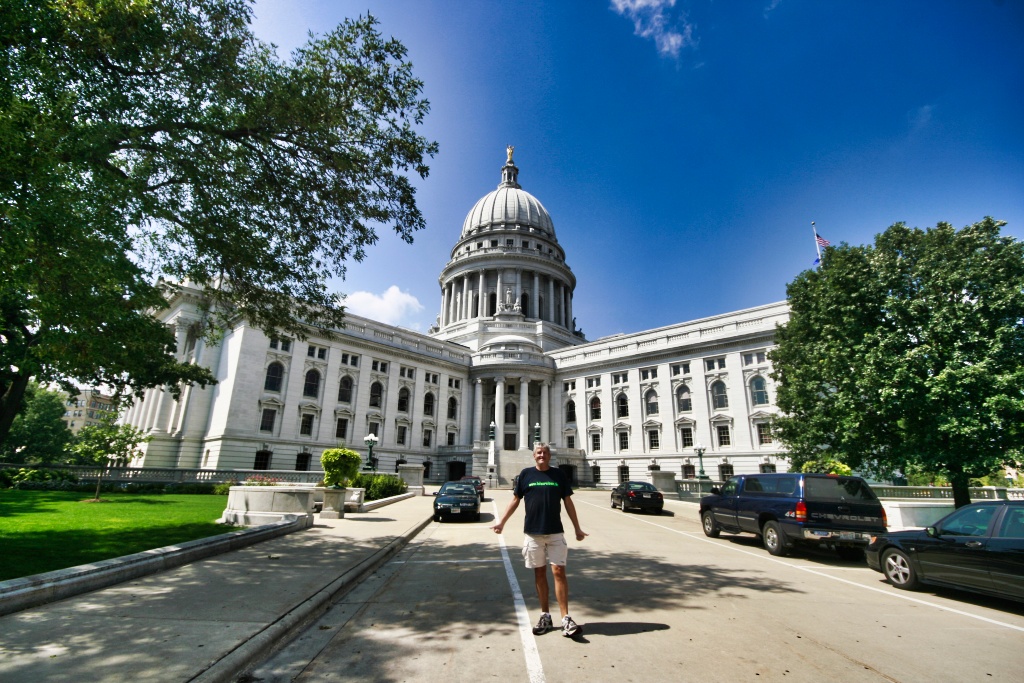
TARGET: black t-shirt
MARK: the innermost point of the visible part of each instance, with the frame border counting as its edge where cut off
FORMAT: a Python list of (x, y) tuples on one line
[(543, 493)]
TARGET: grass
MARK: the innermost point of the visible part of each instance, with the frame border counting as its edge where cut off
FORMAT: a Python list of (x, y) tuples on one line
[(41, 531)]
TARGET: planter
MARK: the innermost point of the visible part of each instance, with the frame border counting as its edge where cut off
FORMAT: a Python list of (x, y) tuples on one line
[(258, 505), (334, 503)]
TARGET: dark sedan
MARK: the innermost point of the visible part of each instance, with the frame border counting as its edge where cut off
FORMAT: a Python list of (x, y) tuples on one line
[(457, 500), (638, 495), (979, 548)]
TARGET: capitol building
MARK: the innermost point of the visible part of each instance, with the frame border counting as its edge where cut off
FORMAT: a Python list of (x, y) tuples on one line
[(503, 367)]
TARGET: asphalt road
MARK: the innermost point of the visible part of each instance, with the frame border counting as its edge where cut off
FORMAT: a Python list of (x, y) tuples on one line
[(658, 601)]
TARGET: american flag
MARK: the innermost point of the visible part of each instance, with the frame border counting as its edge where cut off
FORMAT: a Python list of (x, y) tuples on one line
[(822, 242)]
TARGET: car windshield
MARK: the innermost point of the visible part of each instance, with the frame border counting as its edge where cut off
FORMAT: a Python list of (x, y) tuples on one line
[(457, 489), (641, 486)]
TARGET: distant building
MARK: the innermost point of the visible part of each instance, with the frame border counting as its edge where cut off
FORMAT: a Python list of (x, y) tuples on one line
[(87, 407), (505, 350)]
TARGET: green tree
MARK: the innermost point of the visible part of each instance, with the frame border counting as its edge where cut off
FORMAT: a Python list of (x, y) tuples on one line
[(149, 142), (38, 434), (907, 353), (107, 443), (340, 466)]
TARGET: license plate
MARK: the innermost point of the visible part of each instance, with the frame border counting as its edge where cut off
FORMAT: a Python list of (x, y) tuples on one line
[(848, 535), (647, 495), (456, 511)]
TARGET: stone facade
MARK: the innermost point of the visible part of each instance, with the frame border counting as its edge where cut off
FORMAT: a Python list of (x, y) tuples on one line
[(504, 356)]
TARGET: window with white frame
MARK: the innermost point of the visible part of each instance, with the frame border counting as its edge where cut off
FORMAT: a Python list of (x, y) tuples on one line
[(764, 433), (568, 386), (274, 378), (648, 373), (428, 404), (622, 406), (284, 344), (680, 369), (619, 378), (758, 392), (653, 439), (376, 395), (403, 400), (651, 402), (623, 441), (345, 390), (408, 373), (267, 420), (350, 359), (754, 357), (311, 387), (712, 364), (341, 429), (724, 439), (570, 442), (593, 382), (453, 408), (686, 437), (595, 408), (306, 425), (400, 435), (684, 403), (318, 352), (595, 442), (379, 366), (428, 437), (570, 411), (719, 396), (454, 383)]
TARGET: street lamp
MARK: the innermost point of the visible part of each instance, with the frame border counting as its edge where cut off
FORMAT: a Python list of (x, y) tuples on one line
[(490, 436), (699, 448), (370, 441), (536, 433)]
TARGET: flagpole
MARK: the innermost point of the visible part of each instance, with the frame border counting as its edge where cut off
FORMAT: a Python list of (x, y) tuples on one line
[(817, 246)]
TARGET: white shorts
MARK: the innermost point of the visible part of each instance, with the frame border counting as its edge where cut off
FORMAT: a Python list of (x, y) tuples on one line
[(538, 551)]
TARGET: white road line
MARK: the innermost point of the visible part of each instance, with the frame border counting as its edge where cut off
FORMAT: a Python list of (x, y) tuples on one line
[(473, 560), (534, 668), (768, 558)]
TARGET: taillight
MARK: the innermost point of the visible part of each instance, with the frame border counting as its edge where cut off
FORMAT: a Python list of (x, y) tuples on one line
[(801, 511), (885, 518), (632, 494)]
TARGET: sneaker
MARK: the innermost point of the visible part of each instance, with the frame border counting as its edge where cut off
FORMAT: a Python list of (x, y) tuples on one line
[(543, 625), (569, 627)]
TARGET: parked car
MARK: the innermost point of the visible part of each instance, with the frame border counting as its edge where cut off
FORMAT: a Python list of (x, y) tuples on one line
[(638, 495), (456, 500), (979, 547), (792, 508), (476, 482)]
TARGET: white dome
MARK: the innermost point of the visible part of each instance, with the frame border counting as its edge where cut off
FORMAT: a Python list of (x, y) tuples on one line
[(509, 205)]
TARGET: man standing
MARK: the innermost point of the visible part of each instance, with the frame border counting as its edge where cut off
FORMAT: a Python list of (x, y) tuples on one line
[(544, 488)]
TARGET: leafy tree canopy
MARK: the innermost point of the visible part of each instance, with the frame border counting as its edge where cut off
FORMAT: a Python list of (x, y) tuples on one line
[(38, 435), (908, 352), (147, 142)]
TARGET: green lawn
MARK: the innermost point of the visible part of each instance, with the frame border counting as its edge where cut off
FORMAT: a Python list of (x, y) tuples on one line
[(45, 530)]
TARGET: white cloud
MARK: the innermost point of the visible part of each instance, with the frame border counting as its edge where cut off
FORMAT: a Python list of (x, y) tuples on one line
[(393, 307), (651, 20)]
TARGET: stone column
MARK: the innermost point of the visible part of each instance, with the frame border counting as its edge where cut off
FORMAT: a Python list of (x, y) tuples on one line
[(499, 412), (551, 299), (519, 286), (568, 296), (524, 414), (545, 409), (478, 429), (537, 295), (481, 309), (159, 420), (464, 313), (444, 305), (500, 296)]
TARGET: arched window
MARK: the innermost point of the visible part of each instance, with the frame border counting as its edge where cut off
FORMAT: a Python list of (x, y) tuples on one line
[(622, 406), (345, 390), (275, 377), (312, 386), (651, 402), (403, 400), (719, 397), (428, 404), (595, 408), (683, 400), (510, 413), (570, 411), (453, 408), (376, 395), (758, 391)]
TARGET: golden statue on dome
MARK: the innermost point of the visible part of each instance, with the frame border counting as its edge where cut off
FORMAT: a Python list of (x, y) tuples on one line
[(510, 149)]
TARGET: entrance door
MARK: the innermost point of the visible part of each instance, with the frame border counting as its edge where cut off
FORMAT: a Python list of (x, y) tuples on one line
[(456, 470), (511, 441), (570, 473)]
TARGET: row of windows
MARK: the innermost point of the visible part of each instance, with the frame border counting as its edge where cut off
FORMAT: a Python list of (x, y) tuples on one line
[(722, 434), (684, 401), (308, 420), (710, 364), (725, 471)]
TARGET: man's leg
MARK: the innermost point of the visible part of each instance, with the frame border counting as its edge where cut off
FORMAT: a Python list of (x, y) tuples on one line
[(540, 579), (561, 588)]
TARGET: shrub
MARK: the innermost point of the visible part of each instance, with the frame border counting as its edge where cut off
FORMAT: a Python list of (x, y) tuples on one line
[(260, 480), (340, 465), (223, 489), (379, 485)]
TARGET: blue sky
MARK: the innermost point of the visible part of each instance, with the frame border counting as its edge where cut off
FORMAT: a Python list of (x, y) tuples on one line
[(683, 147)]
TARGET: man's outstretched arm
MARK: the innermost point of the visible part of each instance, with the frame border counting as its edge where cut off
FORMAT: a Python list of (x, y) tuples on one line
[(570, 509), (509, 510)]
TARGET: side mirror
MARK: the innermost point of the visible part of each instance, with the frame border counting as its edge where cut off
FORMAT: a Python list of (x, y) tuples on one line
[(932, 531), (715, 490), (435, 493)]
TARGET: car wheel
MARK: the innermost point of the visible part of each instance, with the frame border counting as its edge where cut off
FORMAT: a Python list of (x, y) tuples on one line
[(476, 517), (658, 511), (774, 539), (622, 504), (613, 503), (898, 570), (711, 529), (437, 517)]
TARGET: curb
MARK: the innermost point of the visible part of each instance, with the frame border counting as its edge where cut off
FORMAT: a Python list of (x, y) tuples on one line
[(39, 589), (269, 639)]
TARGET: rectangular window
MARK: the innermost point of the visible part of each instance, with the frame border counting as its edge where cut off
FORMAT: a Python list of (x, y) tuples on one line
[(689, 472), (267, 420), (400, 438), (753, 357), (648, 373), (451, 438), (379, 366), (374, 429), (408, 373), (686, 437), (766, 467), (306, 426), (623, 441), (454, 383), (595, 442), (262, 460), (341, 431), (723, 435), (302, 462), (619, 378), (593, 382), (428, 437), (653, 439), (569, 386), (570, 442), (764, 434)]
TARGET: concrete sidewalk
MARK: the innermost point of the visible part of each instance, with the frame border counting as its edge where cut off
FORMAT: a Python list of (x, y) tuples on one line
[(208, 620)]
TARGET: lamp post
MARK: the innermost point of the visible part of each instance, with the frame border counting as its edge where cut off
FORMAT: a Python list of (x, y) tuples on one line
[(536, 433), (699, 448), (370, 441), (490, 435)]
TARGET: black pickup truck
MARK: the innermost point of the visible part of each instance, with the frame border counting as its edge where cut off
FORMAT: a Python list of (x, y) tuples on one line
[(785, 509)]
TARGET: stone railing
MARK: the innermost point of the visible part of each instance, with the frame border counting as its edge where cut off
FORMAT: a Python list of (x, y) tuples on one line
[(172, 475)]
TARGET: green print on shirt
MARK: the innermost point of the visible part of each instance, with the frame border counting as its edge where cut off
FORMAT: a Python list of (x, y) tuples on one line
[(542, 483)]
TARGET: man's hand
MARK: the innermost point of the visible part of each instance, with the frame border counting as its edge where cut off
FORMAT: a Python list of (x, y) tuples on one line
[(580, 535), (498, 527)]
